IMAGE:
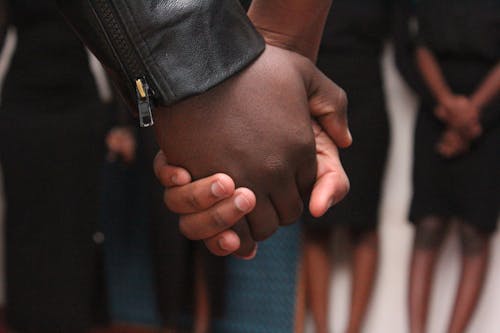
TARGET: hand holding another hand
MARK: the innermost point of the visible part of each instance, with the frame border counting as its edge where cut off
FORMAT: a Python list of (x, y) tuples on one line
[(256, 128), (209, 207)]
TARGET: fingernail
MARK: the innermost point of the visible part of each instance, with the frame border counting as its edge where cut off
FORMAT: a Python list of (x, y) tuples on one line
[(242, 203), (253, 254), (217, 189), (223, 244)]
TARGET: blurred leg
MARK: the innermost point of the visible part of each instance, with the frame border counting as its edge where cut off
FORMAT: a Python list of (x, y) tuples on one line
[(318, 265), (300, 303), (364, 268), (428, 239), (202, 301), (475, 259)]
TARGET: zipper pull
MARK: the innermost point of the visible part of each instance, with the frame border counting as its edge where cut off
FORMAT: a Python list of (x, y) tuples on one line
[(143, 103)]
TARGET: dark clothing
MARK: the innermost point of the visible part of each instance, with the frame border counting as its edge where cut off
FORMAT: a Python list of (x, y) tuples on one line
[(350, 55), (174, 256), (464, 36), (50, 152)]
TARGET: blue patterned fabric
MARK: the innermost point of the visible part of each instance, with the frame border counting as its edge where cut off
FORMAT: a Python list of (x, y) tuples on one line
[(128, 249), (261, 293)]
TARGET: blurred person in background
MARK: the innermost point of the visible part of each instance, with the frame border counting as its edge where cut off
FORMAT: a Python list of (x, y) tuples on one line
[(456, 149), (51, 151), (350, 53), (53, 121)]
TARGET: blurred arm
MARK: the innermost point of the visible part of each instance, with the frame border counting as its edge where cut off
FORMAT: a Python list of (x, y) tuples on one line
[(295, 25), (488, 91), (489, 88), (432, 74)]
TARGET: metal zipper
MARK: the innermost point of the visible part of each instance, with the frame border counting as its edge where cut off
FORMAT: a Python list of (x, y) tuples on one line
[(128, 58), (143, 103)]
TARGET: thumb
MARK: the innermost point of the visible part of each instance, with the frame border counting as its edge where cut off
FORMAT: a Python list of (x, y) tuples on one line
[(328, 104)]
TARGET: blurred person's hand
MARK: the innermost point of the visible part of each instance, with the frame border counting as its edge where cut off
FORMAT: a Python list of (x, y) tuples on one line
[(459, 113), (209, 207), (121, 143), (452, 144)]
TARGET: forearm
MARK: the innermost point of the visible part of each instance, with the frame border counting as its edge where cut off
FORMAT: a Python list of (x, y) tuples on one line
[(488, 90), (432, 74), (296, 25)]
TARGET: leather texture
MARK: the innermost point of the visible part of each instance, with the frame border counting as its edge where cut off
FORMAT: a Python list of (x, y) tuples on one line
[(181, 47)]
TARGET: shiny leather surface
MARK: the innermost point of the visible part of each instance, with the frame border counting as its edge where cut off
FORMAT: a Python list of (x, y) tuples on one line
[(185, 47)]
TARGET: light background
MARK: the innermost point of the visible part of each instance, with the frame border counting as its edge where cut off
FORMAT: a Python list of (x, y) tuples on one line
[(387, 313)]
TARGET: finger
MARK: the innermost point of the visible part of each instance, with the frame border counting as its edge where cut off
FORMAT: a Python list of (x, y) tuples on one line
[(169, 175), (440, 112), (263, 220), (328, 103), (332, 183), (218, 218), (287, 203), (197, 196), (329, 189), (223, 244), (248, 247)]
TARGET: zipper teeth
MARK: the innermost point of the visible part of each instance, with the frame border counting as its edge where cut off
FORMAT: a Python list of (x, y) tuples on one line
[(115, 30)]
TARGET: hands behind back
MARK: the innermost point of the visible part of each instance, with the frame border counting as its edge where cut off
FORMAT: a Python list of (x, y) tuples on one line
[(461, 117)]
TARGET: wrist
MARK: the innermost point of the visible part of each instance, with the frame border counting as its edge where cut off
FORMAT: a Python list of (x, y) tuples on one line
[(445, 98), (289, 41), (476, 104)]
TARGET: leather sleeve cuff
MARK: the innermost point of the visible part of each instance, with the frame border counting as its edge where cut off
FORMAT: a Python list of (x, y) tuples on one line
[(181, 48)]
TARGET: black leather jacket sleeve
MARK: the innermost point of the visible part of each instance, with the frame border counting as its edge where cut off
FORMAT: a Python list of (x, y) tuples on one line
[(162, 51)]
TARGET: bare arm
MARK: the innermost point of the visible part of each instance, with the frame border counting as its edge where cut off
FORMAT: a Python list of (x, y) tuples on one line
[(488, 89), (296, 25), (432, 74)]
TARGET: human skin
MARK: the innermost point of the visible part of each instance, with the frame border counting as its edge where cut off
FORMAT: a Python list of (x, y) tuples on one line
[(272, 153), (460, 113), (328, 104)]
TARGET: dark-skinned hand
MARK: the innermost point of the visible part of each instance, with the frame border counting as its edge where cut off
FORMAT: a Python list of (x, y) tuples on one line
[(256, 128)]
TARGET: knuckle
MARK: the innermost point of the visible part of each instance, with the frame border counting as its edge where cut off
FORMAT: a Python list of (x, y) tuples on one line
[(194, 201), (294, 213), (219, 221), (341, 100), (261, 234), (274, 165)]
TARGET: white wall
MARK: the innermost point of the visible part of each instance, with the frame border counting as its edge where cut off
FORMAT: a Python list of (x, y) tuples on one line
[(387, 313)]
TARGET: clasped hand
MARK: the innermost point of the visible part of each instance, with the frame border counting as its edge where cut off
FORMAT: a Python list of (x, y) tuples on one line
[(256, 129), (461, 118)]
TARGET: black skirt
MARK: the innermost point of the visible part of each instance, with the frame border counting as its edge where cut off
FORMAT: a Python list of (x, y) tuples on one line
[(364, 162), (466, 187), (51, 166)]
